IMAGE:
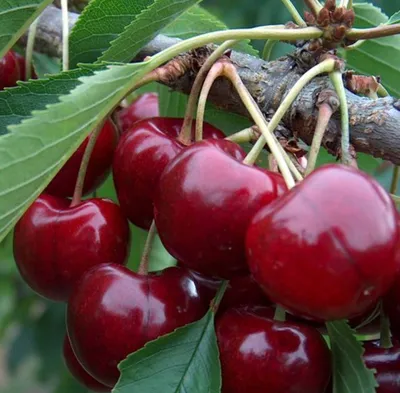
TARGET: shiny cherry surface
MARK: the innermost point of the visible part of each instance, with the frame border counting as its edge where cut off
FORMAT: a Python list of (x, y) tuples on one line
[(315, 250), (260, 355), (204, 203), (392, 307), (9, 70), (114, 312), (22, 67), (55, 244), (63, 184), (141, 156), (78, 372), (144, 107)]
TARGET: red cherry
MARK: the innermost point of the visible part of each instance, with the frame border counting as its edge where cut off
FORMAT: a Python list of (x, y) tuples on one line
[(204, 203), (315, 250), (141, 156), (63, 184), (144, 107), (386, 362), (22, 67), (114, 312), (78, 372), (9, 70), (55, 244), (260, 355)]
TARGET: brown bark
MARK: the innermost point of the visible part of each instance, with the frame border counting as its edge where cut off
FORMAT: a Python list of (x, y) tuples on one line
[(375, 124)]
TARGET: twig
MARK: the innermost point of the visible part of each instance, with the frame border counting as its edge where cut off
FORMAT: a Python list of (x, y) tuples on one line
[(373, 32)]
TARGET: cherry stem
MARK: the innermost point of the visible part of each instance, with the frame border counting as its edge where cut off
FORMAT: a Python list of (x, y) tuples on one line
[(324, 116), (294, 13), (314, 5), (185, 136), (385, 338), (29, 49), (145, 260), (395, 199), (280, 314), (374, 32), (218, 297), (382, 92), (325, 66), (80, 181), (268, 47), (337, 81), (65, 35), (395, 180), (244, 136)]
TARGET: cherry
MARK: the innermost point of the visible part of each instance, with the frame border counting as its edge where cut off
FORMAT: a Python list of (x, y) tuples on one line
[(204, 203), (144, 107), (22, 67), (78, 372), (114, 312), (387, 364), (141, 156), (261, 355), (54, 244), (315, 250), (98, 169), (392, 307), (9, 70)]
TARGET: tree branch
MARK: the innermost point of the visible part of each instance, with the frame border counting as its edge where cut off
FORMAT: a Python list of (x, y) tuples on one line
[(374, 124)]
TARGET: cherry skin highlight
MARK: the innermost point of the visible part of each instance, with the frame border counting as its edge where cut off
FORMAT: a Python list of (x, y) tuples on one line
[(78, 372), (144, 107), (114, 312), (9, 70), (315, 250), (204, 203), (100, 162), (141, 156), (260, 355), (55, 244)]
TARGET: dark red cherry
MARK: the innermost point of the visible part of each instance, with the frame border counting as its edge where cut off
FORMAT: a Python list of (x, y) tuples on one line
[(22, 67), (392, 307), (204, 203), (315, 250), (55, 244), (98, 169), (141, 156), (144, 107), (260, 355), (78, 372), (9, 70), (114, 312), (386, 362)]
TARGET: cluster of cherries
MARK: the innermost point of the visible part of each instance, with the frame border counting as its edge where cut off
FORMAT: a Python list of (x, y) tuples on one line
[(328, 249)]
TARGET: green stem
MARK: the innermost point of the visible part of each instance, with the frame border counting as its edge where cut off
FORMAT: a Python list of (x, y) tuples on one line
[(144, 262), (29, 49), (268, 47), (243, 136), (219, 296), (314, 5), (295, 14), (382, 92), (373, 32), (186, 133), (324, 115), (325, 66), (65, 35), (385, 338), (396, 199), (395, 180), (337, 81), (280, 314)]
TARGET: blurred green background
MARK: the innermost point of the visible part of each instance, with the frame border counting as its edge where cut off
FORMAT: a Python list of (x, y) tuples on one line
[(32, 329)]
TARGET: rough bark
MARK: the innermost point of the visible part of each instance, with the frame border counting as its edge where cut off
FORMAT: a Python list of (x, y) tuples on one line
[(375, 124)]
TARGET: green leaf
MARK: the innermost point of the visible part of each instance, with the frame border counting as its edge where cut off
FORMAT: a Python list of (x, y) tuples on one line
[(33, 152), (379, 56), (350, 375), (145, 27), (395, 18), (196, 21), (186, 360), (15, 18)]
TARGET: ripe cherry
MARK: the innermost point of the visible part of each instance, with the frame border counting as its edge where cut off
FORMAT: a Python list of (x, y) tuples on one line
[(144, 107), (261, 355), (314, 250), (114, 312), (98, 169), (204, 203), (141, 156), (392, 307), (55, 244), (22, 67), (9, 70), (78, 372)]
